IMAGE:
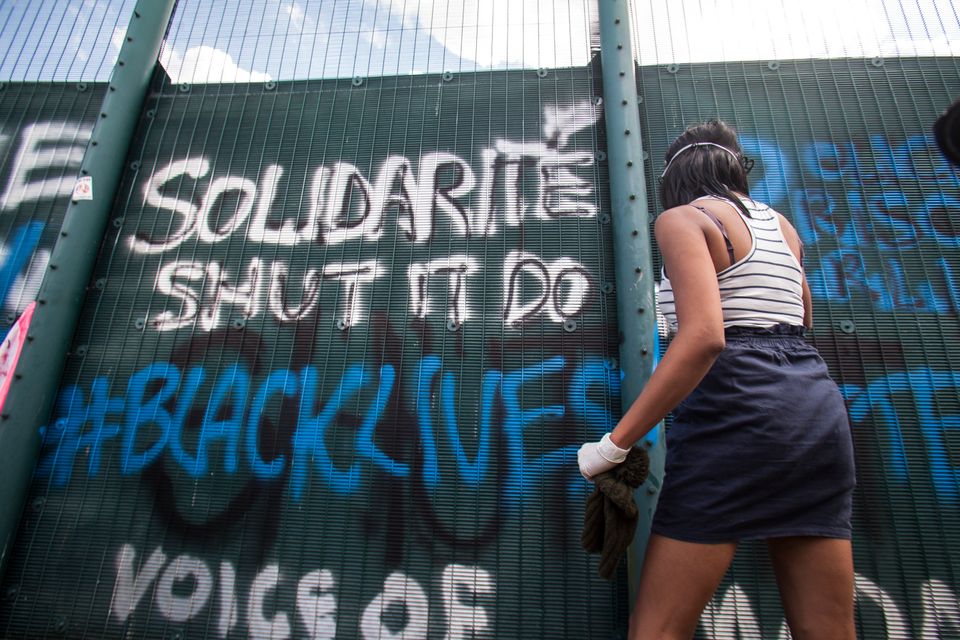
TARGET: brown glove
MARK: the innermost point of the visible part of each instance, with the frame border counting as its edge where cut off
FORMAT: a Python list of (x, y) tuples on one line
[(610, 518)]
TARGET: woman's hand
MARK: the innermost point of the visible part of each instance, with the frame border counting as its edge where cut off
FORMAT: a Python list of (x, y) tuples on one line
[(596, 457)]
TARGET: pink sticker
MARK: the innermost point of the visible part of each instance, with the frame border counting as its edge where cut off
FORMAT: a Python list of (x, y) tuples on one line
[(11, 347)]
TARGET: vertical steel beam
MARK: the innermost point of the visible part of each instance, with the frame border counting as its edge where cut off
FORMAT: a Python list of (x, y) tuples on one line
[(32, 392), (636, 313)]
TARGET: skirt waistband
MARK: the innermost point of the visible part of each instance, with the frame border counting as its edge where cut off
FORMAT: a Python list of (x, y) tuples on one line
[(776, 332)]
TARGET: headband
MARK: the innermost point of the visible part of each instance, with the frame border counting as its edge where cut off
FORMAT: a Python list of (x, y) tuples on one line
[(697, 144)]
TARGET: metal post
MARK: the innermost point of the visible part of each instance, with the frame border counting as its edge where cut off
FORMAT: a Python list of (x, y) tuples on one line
[(32, 392), (636, 313)]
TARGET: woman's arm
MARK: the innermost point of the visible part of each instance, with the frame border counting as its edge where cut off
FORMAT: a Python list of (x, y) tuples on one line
[(699, 340), (680, 235)]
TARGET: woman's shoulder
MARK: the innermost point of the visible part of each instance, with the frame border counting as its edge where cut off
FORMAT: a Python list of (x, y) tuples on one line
[(760, 210), (745, 200), (755, 205)]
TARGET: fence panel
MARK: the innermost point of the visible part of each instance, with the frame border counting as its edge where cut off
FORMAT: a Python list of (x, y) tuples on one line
[(343, 341), (844, 148)]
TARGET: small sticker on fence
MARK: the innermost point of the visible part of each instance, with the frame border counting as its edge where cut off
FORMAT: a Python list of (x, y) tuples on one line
[(83, 190)]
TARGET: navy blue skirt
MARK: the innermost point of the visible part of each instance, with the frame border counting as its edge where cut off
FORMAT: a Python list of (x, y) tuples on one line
[(761, 448)]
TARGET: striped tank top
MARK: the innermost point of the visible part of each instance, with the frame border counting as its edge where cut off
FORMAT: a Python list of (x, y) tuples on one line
[(763, 289)]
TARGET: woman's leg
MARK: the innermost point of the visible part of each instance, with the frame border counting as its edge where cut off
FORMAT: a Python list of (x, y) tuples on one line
[(815, 577), (677, 582)]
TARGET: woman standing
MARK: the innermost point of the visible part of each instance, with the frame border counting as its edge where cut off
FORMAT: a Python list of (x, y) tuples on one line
[(759, 446)]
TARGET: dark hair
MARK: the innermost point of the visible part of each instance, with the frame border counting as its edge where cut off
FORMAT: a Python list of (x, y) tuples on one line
[(705, 170), (947, 133)]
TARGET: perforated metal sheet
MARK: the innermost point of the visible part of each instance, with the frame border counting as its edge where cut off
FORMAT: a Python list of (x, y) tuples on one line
[(343, 342), (845, 150)]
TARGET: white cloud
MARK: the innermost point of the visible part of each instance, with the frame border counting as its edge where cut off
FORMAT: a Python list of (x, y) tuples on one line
[(206, 64), (669, 31), (295, 13), (313, 38), (119, 33), (555, 33), (504, 33), (378, 39), (299, 18)]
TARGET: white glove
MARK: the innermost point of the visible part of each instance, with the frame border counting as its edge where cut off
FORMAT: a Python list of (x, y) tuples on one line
[(596, 457)]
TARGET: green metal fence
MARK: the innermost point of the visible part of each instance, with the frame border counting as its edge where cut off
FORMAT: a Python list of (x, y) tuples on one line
[(845, 149), (344, 334)]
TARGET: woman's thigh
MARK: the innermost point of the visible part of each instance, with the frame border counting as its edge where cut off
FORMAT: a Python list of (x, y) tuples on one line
[(677, 582), (816, 582)]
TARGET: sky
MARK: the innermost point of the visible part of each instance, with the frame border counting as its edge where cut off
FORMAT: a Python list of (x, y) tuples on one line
[(260, 40)]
